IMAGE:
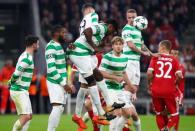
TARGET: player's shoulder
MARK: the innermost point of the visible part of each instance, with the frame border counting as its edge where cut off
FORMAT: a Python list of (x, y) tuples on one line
[(128, 28), (94, 14)]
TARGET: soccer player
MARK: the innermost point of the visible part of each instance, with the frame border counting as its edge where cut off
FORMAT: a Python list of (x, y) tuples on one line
[(133, 49), (81, 56), (90, 17), (20, 82), (113, 68), (180, 85), (163, 74), (56, 76)]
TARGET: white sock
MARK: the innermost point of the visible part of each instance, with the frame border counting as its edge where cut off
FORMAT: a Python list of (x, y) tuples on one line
[(95, 111), (17, 126), (85, 117), (93, 91), (80, 100), (113, 124), (54, 117), (121, 123), (25, 127), (137, 125), (103, 87)]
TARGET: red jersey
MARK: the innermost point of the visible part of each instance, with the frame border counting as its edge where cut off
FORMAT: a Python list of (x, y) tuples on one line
[(5, 74), (164, 69)]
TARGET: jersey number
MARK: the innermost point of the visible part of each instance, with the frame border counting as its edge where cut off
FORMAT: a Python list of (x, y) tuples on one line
[(162, 73), (83, 24)]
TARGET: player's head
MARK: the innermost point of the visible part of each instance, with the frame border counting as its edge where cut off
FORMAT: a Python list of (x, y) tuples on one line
[(130, 15), (32, 42), (175, 53), (164, 46), (58, 33), (112, 26), (88, 8), (117, 44)]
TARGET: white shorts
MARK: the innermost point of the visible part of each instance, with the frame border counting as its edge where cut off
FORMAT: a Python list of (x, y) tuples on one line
[(119, 97), (133, 71), (57, 93), (85, 65), (22, 101), (127, 98)]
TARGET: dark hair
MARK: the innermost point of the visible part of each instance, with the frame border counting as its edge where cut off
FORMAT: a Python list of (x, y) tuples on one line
[(55, 29), (167, 44), (113, 22), (30, 40), (87, 5), (131, 11)]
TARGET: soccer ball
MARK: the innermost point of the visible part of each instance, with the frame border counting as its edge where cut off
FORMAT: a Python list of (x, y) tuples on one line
[(140, 22)]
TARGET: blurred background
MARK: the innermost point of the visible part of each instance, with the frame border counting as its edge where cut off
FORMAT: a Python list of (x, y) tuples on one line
[(168, 19)]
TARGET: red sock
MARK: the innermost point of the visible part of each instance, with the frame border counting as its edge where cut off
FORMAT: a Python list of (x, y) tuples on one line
[(161, 123), (95, 126), (126, 129), (173, 120), (177, 124)]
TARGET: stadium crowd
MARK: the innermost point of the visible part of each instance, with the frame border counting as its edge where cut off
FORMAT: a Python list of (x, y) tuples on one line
[(163, 21)]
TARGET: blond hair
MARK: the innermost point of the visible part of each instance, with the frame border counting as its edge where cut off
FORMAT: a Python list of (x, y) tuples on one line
[(116, 39)]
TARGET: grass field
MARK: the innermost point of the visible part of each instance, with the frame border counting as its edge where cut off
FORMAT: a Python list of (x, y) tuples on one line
[(39, 123)]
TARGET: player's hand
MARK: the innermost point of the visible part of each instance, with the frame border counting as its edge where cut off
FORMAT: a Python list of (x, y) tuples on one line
[(146, 53), (68, 89), (133, 97), (71, 46), (181, 100), (119, 79)]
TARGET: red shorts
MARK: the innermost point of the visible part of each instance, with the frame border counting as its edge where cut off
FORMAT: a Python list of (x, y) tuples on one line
[(103, 102), (160, 104)]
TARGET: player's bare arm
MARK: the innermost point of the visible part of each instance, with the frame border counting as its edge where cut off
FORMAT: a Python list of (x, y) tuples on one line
[(130, 86), (134, 48), (112, 77), (88, 35), (150, 77)]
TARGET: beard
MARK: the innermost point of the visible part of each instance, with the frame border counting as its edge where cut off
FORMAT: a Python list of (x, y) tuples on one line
[(61, 40)]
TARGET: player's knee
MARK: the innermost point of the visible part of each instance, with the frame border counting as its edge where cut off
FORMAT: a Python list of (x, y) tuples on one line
[(28, 117), (88, 104), (98, 75), (90, 80)]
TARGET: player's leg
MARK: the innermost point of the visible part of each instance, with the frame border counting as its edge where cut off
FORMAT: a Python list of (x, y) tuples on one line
[(24, 109), (173, 109), (57, 99), (159, 107), (104, 90), (127, 110)]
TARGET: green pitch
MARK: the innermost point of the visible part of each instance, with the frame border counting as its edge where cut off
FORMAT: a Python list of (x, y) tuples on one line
[(39, 123)]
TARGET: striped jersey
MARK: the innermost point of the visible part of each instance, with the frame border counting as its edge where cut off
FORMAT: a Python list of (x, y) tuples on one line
[(131, 33), (114, 65), (88, 21), (56, 63), (82, 47), (22, 75)]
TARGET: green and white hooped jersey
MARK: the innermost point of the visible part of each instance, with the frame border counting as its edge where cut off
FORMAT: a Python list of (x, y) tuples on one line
[(23, 72), (82, 47), (114, 65), (88, 21), (131, 33), (56, 63)]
